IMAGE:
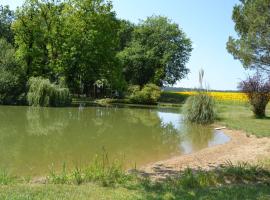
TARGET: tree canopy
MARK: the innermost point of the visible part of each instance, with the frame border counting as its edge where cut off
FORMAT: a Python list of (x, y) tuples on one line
[(158, 53), (252, 24), (80, 43)]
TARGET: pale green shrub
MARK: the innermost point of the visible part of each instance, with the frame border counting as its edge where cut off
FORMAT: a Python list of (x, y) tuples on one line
[(149, 94), (200, 109)]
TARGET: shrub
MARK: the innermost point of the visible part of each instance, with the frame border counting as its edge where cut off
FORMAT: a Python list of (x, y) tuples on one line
[(200, 108), (149, 94), (43, 93), (257, 90)]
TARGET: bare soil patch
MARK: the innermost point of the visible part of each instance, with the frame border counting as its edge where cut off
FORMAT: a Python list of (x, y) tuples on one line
[(241, 148)]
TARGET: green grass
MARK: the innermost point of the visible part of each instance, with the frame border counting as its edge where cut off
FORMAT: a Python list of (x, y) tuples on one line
[(65, 192), (242, 181), (240, 116), (94, 192)]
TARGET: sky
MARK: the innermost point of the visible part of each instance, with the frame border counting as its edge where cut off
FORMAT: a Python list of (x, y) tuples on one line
[(207, 23)]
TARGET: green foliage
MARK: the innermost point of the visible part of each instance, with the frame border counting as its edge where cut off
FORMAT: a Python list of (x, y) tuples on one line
[(12, 82), (149, 94), (6, 19), (58, 178), (252, 48), (157, 53), (200, 109), (43, 93), (106, 173), (5, 178), (99, 171)]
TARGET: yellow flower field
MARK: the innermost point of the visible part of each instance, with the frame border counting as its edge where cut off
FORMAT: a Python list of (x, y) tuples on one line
[(232, 96)]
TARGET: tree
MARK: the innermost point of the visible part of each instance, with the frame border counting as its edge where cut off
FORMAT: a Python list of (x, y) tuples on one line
[(89, 52), (252, 23), (38, 36), (6, 19), (12, 81), (158, 53)]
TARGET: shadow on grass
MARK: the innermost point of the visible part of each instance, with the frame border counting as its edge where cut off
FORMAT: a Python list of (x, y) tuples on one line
[(241, 192), (242, 181)]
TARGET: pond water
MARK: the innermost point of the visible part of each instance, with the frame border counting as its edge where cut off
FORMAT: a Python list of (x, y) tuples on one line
[(32, 139)]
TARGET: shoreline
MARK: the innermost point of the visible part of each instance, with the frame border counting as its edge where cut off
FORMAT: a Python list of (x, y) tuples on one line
[(240, 148)]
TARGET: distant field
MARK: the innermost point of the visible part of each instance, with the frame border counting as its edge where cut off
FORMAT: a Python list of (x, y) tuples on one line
[(226, 96)]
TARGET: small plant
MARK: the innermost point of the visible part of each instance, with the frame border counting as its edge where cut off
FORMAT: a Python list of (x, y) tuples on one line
[(200, 108), (5, 178), (78, 176), (58, 178), (257, 90), (149, 94), (106, 173)]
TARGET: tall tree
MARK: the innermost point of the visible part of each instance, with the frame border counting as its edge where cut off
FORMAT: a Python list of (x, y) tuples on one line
[(158, 53), (6, 19), (38, 36), (91, 43), (252, 24)]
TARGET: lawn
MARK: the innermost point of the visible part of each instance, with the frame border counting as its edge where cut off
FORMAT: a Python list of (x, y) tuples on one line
[(239, 116), (95, 192)]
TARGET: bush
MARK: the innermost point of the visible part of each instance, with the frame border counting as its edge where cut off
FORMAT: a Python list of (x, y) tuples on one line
[(11, 88), (200, 108), (149, 94), (43, 93), (257, 90)]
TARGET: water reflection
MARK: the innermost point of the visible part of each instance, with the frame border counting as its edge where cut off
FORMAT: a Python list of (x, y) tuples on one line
[(33, 138)]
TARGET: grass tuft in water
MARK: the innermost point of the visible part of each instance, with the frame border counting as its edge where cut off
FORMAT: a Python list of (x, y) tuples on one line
[(58, 178), (6, 178)]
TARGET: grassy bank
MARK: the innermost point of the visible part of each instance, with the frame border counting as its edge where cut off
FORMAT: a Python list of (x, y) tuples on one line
[(241, 181), (239, 116), (234, 114)]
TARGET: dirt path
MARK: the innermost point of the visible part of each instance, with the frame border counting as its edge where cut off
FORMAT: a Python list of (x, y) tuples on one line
[(241, 148)]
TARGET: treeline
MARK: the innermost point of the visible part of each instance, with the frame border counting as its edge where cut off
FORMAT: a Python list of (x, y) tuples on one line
[(81, 45)]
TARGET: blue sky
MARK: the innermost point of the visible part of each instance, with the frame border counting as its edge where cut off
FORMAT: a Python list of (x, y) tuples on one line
[(206, 22)]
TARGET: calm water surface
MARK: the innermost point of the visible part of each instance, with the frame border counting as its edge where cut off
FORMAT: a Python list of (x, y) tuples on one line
[(32, 139)]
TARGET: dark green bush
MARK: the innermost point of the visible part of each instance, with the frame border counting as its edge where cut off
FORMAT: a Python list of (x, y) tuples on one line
[(200, 108), (43, 93), (149, 94), (171, 97)]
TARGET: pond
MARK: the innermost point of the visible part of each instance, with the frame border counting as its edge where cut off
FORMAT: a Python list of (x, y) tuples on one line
[(34, 139)]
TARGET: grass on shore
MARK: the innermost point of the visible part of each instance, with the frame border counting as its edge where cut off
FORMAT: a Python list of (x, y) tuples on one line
[(242, 181), (240, 117), (233, 114)]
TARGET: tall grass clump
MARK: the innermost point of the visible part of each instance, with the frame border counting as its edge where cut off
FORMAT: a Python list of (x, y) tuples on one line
[(43, 93), (200, 108)]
